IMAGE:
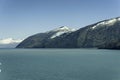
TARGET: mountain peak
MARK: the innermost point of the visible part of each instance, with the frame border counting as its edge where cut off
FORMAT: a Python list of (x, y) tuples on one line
[(61, 30), (64, 27)]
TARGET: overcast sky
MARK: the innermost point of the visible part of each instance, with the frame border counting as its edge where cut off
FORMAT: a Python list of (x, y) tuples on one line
[(22, 18)]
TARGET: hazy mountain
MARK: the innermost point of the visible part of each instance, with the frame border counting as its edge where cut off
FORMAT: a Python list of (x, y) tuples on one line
[(9, 43), (103, 34)]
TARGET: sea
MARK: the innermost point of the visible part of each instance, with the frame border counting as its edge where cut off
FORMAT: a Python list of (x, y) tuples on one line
[(59, 64)]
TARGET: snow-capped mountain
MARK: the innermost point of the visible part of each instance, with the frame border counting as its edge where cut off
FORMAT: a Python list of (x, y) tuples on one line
[(9, 42), (61, 30), (103, 34), (45, 37)]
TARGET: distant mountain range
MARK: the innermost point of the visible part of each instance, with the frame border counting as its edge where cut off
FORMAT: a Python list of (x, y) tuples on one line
[(104, 34), (9, 43)]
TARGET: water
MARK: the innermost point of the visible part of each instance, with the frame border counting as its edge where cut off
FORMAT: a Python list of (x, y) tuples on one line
[(59, 64)]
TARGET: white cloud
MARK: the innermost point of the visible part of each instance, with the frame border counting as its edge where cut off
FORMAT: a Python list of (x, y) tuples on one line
[(10, 41)]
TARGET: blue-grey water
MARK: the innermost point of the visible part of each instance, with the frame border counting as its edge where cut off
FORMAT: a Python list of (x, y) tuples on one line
[(59, 64)]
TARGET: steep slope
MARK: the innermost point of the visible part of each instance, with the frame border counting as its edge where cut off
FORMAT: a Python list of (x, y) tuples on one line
[(103, 34), (43, 40), (100, 34)]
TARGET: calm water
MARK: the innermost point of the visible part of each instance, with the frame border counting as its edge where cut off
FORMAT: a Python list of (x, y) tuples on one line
[(59, 64)]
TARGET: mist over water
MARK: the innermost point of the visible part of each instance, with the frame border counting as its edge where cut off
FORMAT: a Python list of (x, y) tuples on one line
[(59, 64)]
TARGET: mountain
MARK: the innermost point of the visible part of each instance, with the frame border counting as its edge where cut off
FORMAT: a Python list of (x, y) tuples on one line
[(103, 34), (9, 43), (42, 40)]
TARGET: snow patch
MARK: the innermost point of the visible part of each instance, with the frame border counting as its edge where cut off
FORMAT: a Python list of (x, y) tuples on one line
[(111, 22), (61, 30), (108, 22), (118, 19), (102, 23), (57, 34)]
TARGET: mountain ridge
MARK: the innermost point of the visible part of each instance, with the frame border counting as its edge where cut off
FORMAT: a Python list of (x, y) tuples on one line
[(103, 34)]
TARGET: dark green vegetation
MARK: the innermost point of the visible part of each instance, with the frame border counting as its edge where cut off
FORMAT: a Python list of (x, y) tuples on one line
[(104, 34)]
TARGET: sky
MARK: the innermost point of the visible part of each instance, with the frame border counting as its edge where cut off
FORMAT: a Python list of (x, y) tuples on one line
[(22, 18)]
